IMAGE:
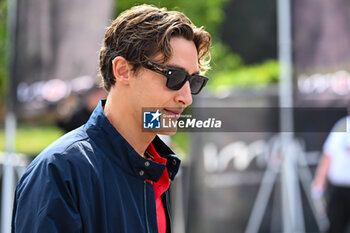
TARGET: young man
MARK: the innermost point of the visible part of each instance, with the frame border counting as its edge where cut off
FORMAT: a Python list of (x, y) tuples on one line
[(109, 175)]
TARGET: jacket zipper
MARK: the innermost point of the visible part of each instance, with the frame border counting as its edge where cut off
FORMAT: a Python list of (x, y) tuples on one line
[(166, 206), (145, 201)]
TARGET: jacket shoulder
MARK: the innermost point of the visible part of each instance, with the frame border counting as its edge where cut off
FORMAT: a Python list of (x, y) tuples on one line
[(73, 152)]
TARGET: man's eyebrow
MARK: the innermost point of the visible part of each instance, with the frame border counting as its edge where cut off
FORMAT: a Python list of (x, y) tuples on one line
[(180, 68)]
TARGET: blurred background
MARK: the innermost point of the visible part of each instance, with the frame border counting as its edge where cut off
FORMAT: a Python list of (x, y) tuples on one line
[(265, 54)]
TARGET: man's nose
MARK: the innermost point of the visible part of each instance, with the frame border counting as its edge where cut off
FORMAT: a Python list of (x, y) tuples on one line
[(184, 95)]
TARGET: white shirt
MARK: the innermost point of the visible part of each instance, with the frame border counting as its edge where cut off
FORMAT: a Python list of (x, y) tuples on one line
[(337, 146)]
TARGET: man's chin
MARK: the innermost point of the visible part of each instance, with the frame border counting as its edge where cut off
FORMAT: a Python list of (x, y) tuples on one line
[(168, 132)]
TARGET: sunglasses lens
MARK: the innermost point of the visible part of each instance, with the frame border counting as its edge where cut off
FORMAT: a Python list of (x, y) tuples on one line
[(176, 80), (197, 82)]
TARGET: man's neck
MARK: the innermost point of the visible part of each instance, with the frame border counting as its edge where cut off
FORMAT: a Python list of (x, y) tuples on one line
[(117, 113)]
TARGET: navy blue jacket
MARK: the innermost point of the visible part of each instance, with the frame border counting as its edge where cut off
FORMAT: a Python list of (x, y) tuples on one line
[(92, 181)]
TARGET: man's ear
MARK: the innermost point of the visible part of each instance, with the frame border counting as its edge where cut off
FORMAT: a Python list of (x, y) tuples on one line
[(121, 69)]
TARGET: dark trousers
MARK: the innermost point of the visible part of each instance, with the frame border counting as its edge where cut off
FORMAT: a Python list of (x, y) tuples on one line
[(338, 208)]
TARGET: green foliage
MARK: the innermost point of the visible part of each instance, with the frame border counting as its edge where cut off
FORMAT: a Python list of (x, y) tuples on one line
[(3, 61), (228, 70), (245, 76), (181, 142), (207, 13), (31, 140), (223, 59)]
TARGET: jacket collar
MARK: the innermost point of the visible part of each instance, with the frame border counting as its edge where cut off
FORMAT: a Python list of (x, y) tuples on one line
[(103, 133)]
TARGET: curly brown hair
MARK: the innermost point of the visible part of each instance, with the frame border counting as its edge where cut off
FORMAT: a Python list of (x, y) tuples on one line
[(144, 31)]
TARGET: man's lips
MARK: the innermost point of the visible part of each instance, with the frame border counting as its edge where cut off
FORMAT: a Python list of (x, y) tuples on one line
[(175, 112)]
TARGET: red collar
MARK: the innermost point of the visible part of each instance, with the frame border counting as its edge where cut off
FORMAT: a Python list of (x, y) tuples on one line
[(159, 188), (163, 183)]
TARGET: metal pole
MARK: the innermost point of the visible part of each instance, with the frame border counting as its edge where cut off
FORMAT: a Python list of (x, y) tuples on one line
[(291, 206), (8, 177), (285, 65), (265, 190)]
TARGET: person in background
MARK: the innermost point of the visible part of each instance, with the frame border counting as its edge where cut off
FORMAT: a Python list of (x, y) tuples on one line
[(110, 175), (75, 110), (334, 167)]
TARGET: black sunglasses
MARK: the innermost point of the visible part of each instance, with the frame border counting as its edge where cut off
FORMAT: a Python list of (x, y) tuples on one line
[(177, 77)]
